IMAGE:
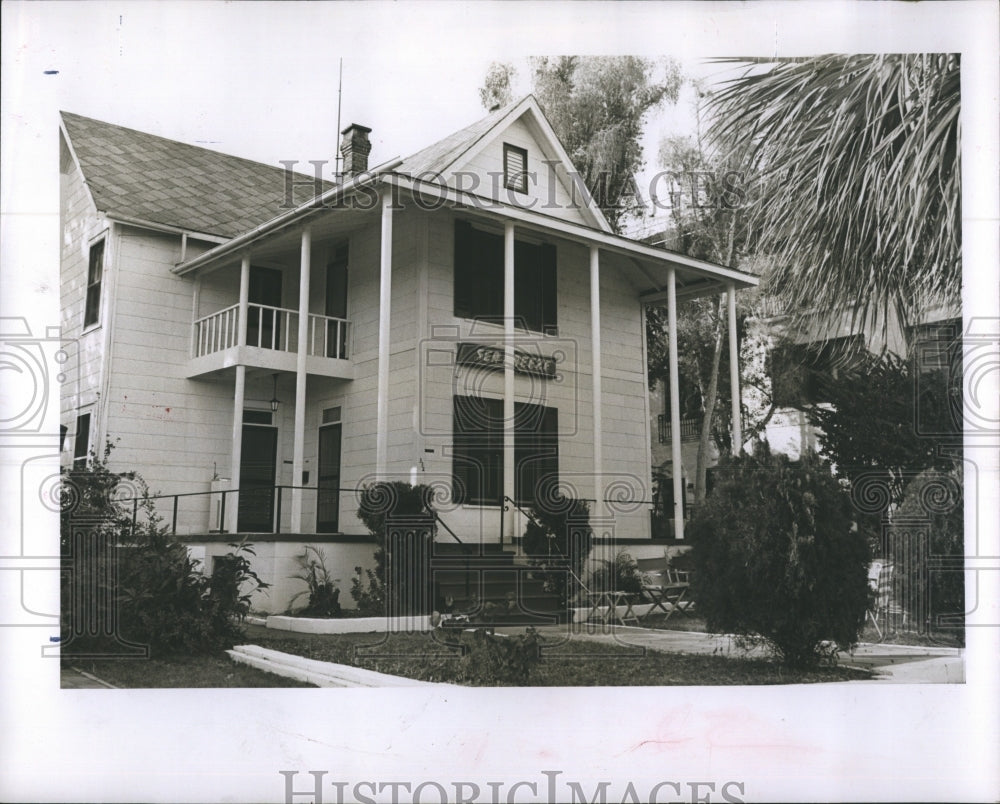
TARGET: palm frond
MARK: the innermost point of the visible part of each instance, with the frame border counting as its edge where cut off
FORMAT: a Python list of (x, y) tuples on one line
[(857, 160)]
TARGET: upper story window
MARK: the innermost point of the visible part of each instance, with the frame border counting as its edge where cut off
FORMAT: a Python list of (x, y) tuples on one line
[(95, 274), (515, 168), (479, 285)]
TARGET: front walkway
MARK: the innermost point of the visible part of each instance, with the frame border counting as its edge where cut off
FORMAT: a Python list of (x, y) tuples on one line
[(903, 664), (72, 678)]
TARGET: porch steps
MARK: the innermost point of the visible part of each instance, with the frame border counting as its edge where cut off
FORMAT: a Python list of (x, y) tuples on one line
[(493, 585)]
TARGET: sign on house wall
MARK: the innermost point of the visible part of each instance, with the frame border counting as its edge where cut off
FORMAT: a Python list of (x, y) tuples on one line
[(492, 357)]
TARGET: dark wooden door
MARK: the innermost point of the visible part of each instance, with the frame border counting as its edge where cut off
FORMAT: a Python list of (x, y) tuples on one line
[(257, 462), (263, 326), (328, 482)]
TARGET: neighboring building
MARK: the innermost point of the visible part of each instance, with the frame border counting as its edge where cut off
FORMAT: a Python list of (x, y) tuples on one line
[(820, 345), (807, 349), (230, 336)]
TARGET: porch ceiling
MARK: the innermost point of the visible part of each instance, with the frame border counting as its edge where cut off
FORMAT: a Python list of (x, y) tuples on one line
[(284, 246)]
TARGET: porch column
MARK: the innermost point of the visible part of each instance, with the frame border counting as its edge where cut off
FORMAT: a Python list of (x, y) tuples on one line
[(239, 391), (229, 515), (384, 322), (299, 444), (508, 376), (241, 323), (676, 467), (734, 371), (595, 351), (195, 309)]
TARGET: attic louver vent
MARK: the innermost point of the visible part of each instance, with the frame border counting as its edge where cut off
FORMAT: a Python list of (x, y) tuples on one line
[(515, 168)]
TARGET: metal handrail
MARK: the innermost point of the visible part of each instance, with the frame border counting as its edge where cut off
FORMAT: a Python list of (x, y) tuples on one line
[(569, 568), (437, 518), (275, 490)]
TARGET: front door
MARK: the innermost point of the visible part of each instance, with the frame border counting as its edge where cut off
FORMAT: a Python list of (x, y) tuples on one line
[(328, 482), (257, 460), (263, 326)]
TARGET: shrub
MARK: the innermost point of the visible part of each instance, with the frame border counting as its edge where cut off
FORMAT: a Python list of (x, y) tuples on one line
[(399, 583), (492, 660), (558, 539), (777, 558), (130, 582), (324, 596), (620, 574), (933, 500)]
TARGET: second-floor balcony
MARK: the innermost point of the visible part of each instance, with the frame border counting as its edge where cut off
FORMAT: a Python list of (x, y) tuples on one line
[(272, 342)]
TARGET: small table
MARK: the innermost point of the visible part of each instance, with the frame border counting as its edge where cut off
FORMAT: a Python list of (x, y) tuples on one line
[(610, 601), (672, 593)]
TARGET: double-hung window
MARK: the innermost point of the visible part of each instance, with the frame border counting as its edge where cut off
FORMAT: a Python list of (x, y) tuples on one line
[(81, 441), (95, 275)]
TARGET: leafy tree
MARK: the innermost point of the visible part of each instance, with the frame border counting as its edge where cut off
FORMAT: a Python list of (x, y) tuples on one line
[(877, 418), (857, 162), (496, 89), (776, 556), (706, 222), (597, 106)]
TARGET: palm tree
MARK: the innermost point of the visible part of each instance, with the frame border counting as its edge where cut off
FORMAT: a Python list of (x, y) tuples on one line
[(856, 168)]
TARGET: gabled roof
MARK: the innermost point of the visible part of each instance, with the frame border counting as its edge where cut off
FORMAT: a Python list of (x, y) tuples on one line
[(437, 158), (454, 151), (143, 177)]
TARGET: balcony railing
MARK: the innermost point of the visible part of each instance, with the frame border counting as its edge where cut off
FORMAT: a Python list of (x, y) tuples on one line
[(690, 429), (271, 328)]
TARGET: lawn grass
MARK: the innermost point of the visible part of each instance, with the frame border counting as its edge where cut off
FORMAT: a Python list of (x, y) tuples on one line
[(592, 664), (216, 670)]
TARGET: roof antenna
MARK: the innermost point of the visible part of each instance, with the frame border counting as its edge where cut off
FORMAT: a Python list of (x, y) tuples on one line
[(340, 92)]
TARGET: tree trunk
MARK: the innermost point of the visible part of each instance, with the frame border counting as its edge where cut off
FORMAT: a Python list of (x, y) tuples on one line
[(711, 396)]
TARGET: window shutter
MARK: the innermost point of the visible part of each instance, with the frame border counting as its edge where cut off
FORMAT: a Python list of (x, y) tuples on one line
[(465, 290), (527, 301), (548, 295), (515, 168), (489, 278)]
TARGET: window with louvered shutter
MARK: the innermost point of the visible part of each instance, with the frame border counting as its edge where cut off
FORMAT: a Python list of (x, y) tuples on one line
[(515, 168)]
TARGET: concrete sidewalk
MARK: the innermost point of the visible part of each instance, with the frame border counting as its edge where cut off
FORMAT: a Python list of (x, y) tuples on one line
[(72, 678), (903, 664)]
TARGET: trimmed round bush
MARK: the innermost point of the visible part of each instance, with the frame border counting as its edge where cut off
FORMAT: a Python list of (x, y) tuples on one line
[(777, 556)]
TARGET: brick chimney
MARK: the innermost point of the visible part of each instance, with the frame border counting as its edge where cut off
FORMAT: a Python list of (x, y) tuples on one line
[(355, 147)]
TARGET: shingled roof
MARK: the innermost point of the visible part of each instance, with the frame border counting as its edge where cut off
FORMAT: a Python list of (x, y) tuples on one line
[(141, 176), (435, 158)]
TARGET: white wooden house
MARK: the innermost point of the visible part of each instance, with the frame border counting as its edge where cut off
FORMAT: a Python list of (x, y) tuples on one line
[(463, 318)]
